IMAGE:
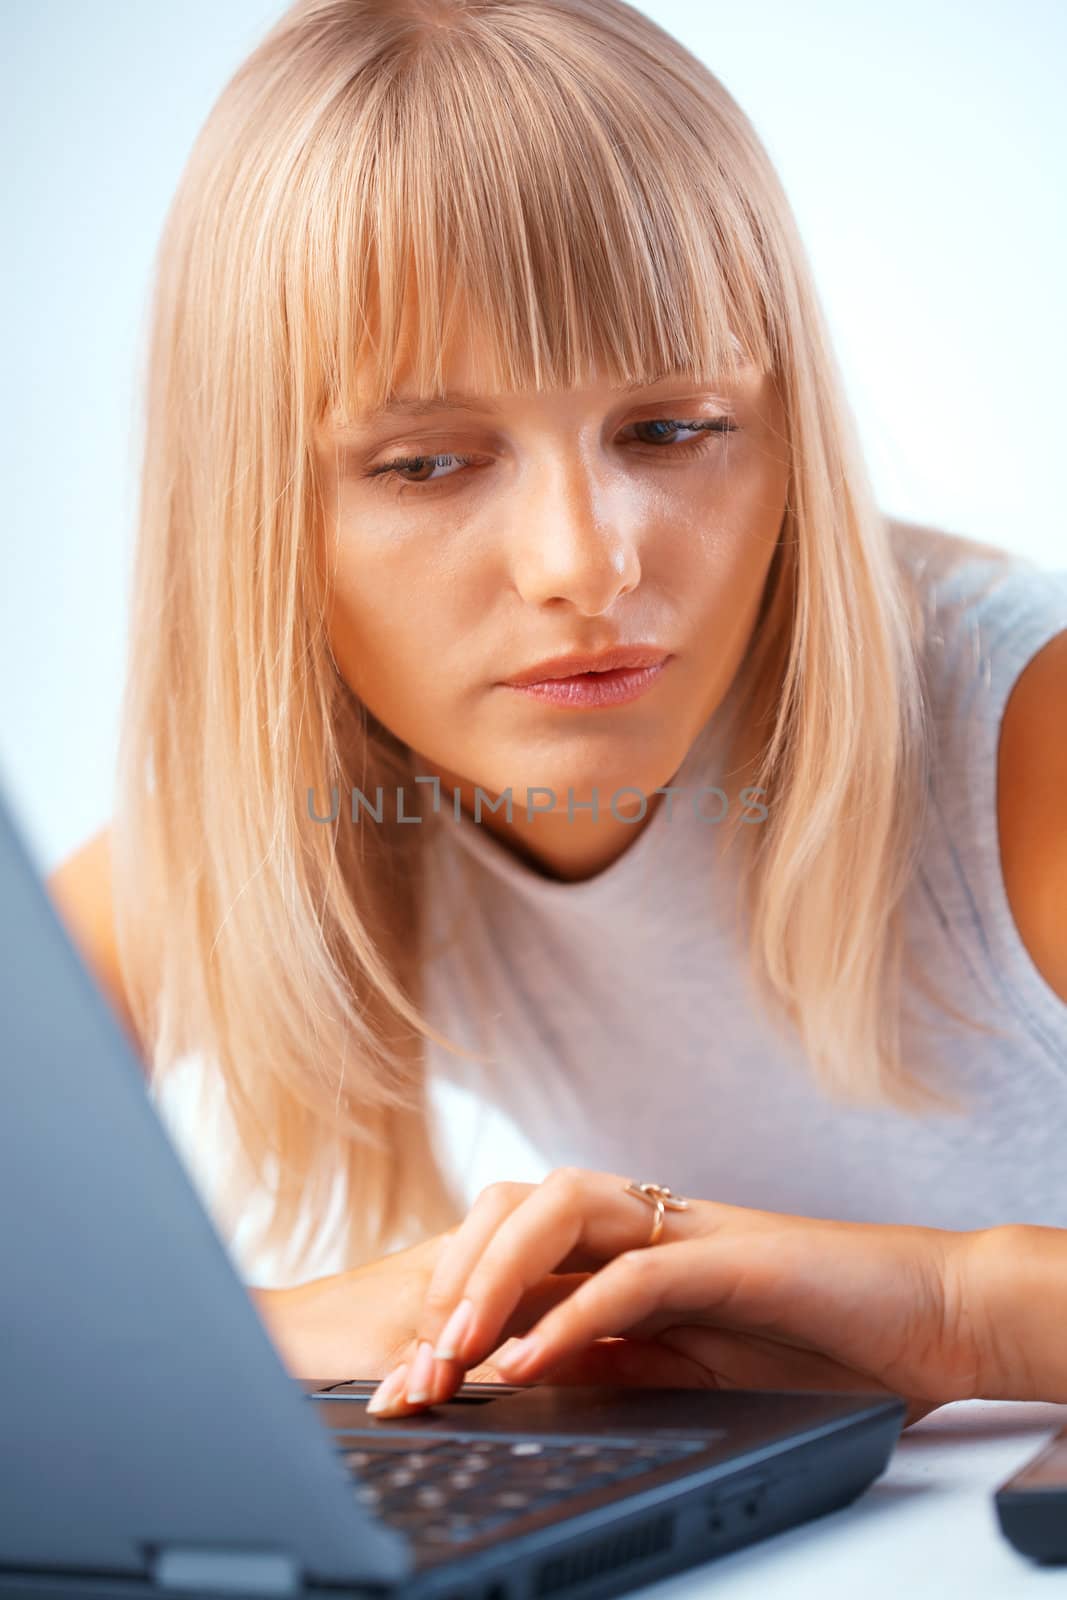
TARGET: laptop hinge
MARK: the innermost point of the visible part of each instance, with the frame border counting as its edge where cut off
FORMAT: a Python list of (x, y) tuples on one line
[(224, 1571)]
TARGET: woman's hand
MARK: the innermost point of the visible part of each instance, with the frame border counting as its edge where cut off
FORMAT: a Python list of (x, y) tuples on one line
[(362, 1323), (731, 1297)]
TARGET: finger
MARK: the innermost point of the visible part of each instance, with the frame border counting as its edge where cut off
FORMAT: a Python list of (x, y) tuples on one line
[(389, 1401), (541, 1298), (615, 1363), (574, 1217), (640, 1284), (388, 1397), (457, 1258), (538, 1300)]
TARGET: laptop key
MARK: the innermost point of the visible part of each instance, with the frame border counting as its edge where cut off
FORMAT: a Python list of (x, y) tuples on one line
[(399, 1478)]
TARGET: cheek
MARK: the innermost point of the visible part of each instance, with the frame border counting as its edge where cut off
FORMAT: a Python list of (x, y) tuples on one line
[(715, 547), (371, 617), (390, 616), (715, 544), (432, 582), (747, 495), (736, 497)]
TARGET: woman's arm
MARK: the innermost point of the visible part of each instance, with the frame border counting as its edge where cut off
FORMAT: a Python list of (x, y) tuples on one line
[(1019, 1273), (1032, 809)]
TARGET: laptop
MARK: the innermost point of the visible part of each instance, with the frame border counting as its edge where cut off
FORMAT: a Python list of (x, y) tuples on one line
[(153, 1442)]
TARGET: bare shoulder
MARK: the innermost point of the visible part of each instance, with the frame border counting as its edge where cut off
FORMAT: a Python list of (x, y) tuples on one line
[(1032, 808), (82, 893)]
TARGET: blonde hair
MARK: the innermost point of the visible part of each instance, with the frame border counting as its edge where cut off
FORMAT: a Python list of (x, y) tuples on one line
[(571, 170)]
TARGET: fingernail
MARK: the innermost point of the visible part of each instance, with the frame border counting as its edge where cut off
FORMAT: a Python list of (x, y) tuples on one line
[(388, 1389), (519, 1355), (418, 1389), (450, 1344)]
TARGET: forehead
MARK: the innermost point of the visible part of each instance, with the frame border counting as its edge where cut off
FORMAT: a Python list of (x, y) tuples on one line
[(465, 366), (462, 389)]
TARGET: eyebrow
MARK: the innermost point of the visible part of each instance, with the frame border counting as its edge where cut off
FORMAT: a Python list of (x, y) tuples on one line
[(462, 400)]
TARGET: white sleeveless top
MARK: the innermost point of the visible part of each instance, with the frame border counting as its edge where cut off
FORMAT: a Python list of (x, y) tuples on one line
[(625, 1037)]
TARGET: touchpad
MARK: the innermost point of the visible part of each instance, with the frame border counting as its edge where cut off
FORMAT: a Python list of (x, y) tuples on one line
[(496, 1408), (470, 1394)]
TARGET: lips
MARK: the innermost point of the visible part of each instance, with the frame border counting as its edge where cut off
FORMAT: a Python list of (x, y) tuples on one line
[(621, 658)]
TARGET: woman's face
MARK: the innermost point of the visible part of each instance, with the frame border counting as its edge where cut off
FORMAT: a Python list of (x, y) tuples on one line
[(570, 520)]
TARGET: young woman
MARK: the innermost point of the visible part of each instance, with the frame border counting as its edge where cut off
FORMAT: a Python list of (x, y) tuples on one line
[(483, 337)]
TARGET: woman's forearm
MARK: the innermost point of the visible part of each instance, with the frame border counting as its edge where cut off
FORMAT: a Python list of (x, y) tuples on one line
[(1019, 1291), (272, 1305)]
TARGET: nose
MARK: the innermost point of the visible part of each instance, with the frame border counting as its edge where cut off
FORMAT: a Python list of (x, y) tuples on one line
[(578, 543)]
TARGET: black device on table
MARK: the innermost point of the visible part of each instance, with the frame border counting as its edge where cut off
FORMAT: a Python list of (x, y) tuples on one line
[(152, 1441), (1032, 1504)]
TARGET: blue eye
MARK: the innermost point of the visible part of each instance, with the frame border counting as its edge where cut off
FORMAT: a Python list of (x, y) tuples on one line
[(703, 427), (714, 425)]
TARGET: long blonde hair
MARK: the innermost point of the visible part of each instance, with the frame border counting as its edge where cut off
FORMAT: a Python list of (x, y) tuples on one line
[(573, 172)]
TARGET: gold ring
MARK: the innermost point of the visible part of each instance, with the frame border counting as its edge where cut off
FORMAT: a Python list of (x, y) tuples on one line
[(662, 1199)]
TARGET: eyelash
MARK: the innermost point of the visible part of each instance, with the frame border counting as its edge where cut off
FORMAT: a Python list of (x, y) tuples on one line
[(714, 426)]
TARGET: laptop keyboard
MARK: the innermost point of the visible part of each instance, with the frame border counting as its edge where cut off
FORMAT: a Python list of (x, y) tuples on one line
[(445, 1491)]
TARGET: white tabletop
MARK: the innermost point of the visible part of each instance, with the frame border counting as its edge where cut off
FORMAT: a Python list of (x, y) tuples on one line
[(926, 1527)]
